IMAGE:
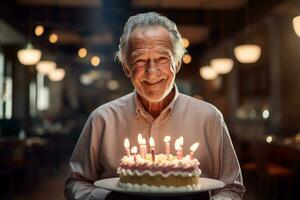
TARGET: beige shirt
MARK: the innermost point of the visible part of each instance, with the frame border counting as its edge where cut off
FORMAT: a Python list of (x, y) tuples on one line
[(100, 146)]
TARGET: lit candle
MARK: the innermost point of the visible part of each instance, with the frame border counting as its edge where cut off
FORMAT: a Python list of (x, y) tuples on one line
[(181, 140), (178, 149), (181, 149), (134, 152), (127, 145), (144, 148), (193, 149), (140, 138), (152, 146), (167, 141)]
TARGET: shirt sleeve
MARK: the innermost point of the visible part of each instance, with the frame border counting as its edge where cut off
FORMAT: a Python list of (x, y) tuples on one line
[(85, 167), (228, 170)]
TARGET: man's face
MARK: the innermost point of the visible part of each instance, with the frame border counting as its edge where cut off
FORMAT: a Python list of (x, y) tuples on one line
[(150, 62)]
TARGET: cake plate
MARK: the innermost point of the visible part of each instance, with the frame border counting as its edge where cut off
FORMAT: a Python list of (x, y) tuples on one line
[(205, 184)]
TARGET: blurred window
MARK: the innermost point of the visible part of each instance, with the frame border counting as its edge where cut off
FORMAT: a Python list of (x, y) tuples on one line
[(42, 93), (6, 87)]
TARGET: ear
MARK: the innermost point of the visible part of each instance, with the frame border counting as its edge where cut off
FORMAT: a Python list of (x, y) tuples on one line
[(126, 69)]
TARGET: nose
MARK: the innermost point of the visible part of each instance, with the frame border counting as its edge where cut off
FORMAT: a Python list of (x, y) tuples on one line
[(152, 69)]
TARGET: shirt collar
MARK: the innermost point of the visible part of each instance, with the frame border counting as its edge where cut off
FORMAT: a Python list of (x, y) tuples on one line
[(167, 111)]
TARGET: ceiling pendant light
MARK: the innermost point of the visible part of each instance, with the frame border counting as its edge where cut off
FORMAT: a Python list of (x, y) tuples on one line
[(187, 58), (45, 67), (39, 30), (222, 65), (185, 42), (247, 53), (208, 73), (95, 61), (57, 74), (29, 55), (296, 25)]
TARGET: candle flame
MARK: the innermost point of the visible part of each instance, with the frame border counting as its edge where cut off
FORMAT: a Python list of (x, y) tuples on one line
[(151, 142), (167, 139), (177, 144), (134, 150), (194, 147), (181, 140), (140, 138), (126, 143)]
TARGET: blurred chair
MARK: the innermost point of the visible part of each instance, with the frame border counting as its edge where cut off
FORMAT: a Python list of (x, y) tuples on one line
[(15, 167), (268, 172)]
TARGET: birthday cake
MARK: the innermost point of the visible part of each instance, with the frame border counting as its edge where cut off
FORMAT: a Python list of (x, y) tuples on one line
[(159, 170)]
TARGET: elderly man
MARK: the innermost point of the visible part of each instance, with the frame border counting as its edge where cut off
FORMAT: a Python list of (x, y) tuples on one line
[(150, 51)]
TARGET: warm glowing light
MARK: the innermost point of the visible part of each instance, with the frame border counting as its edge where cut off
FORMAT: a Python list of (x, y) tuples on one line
[(82, 52), (39, 30), (57, 74), (167, 139), (134, 150), (95, 61), (113, 85), (269, 139), (140, 138), (45, 67), (194, 147), (248, 53), (187, 58), (94, 75), (296, 25), (143, 141), (177, 144), (151, 142), (85, 79), (29, 55), (53, 38), (181, 140), (185, 42), (208, 73), (265, 114), (126, 143), (222, 65)]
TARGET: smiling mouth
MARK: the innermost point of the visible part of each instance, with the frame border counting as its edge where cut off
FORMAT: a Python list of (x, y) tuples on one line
[(154, 82)]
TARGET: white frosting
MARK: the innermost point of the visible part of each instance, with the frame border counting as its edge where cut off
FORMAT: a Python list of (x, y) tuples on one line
[(176, 173), (161, 160), (145, 187)]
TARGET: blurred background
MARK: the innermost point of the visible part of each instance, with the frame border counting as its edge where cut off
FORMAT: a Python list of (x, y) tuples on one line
[(57, 65)]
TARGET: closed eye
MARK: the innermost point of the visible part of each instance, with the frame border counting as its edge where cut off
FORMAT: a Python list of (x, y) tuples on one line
[(162, 60), (140, 62)]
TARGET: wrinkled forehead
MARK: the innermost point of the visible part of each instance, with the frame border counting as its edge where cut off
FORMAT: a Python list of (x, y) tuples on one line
[(150, 38), (151, 51)]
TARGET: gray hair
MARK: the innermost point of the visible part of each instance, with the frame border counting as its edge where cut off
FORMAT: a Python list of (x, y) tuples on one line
[(150, 19)]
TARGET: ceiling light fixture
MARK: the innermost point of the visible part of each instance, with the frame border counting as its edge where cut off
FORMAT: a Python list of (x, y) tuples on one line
[(53, 38), (222, 65), (247, 53), (39, 30), (45, 67), (29, 55), (208, 73), (95, 61), (82, 52), (187, 58), (57, 74), (185, 42), (296, 25)]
